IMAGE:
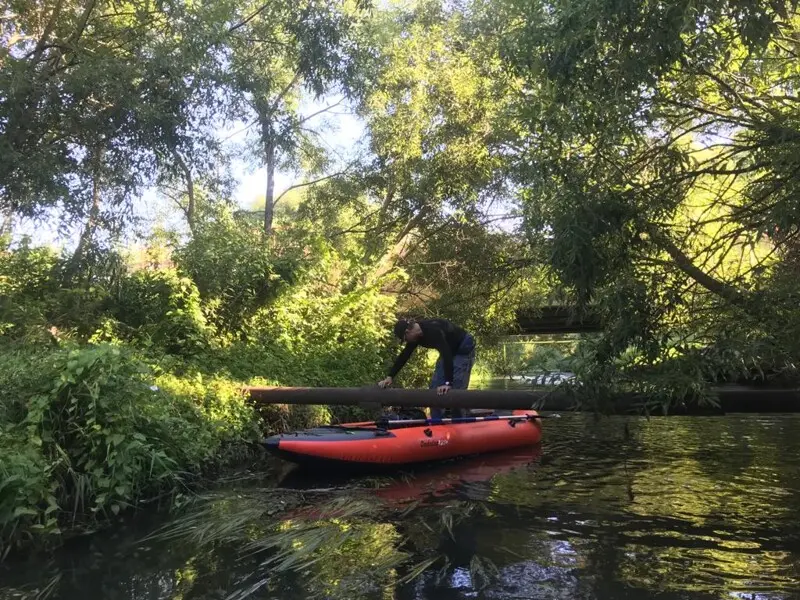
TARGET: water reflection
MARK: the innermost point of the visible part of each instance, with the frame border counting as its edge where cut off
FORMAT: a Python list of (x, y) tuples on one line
[(674, 507)]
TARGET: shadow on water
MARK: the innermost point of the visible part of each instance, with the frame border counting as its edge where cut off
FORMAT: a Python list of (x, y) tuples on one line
[(669, 508)]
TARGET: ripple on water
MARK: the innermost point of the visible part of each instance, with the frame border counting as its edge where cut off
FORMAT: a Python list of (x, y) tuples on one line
[(671, 508)]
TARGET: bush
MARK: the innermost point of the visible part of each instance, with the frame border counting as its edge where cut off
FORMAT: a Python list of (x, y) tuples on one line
[(26, 271), (103, 432), (313, 339), (27, 285), (139, 388), (28, 505), (163, 308), (34, 303), (235, 269)]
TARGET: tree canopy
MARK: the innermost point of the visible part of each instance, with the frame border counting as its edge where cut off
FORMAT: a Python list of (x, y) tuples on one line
[(636, 159)]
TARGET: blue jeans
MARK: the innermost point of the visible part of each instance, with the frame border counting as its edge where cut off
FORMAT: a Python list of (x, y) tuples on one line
[(463, 360)]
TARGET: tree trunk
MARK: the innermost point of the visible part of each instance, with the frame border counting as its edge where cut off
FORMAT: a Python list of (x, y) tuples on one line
[(269, 201), (266, 111), (48, 29), (81, 251), (685, 264), (187, 175), (7, 223), (377, 242), (398, 250)]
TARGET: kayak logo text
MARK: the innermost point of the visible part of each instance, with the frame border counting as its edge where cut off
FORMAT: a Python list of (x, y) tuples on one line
[(427, 443)]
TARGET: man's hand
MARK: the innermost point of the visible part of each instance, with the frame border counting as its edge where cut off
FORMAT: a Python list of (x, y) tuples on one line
[(442, 389), (385, 383)]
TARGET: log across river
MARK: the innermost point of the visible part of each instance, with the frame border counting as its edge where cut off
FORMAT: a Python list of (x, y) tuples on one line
[(730, 399)]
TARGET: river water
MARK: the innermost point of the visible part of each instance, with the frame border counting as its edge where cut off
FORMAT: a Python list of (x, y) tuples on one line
[(611, 508)]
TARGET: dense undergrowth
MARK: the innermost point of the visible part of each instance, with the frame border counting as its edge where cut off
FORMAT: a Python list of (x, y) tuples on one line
[(125, 389)]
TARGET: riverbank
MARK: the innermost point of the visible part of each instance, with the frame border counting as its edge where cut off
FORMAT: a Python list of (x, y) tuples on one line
[(91, 433)]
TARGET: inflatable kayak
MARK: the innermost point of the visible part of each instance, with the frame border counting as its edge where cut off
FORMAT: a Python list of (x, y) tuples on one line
[(399, 443)]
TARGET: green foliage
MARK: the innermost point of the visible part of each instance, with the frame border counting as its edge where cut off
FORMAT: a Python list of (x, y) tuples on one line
[(236, 269), (337, 332), (91, 432), (98, 103), (640, 158), (307, 337), (87, 437), (26, 280), (25, 271), (33, 299), (434, 99), (657, 187), (83, 100), (529, 356), (164, 309)]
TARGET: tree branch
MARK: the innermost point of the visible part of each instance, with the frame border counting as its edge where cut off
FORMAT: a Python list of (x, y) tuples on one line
[(307, 183), (249, 18), (187, 173), (283, 93), (177, 202), (48, 29), (319, 112), (76, 35), (685, 264)]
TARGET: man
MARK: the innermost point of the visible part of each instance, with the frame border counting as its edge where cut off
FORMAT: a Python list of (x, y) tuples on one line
[(456, 355)]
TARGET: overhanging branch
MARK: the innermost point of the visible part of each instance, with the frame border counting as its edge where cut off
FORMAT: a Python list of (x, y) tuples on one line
[(684, 263), (307, 183)]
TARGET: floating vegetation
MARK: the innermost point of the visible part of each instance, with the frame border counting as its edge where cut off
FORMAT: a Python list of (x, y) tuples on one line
[(338, 541), (44, 591)]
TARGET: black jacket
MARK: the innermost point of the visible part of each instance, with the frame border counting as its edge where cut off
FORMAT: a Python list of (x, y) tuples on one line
[(441, 334)]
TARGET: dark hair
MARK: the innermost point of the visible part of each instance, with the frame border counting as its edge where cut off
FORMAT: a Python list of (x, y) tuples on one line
[(400, 327)]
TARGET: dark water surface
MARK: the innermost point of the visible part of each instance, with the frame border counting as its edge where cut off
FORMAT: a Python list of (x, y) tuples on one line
[(616, 508)]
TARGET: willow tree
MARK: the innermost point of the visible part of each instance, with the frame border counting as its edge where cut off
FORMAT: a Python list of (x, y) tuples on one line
[(97, 99), (661, 172)]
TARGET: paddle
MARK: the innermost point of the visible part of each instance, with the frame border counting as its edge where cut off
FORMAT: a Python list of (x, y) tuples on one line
[(385, 423)]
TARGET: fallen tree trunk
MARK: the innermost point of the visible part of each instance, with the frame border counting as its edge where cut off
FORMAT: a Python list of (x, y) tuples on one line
[(731, 399), (496, 399)]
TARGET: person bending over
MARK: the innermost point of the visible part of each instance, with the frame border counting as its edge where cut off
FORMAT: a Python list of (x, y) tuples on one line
[(456, 355)]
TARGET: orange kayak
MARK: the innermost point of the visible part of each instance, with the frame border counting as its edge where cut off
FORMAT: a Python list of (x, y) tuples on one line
[(368, 445)]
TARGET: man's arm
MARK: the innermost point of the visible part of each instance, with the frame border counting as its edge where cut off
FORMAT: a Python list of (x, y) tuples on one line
[(401, 360)]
